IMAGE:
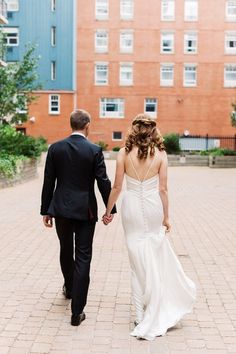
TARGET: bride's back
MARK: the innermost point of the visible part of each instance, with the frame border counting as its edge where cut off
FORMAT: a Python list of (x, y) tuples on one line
[(142, 169)]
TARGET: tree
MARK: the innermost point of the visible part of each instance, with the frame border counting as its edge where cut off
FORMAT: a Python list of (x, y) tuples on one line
[(18, 82), (233, 115)]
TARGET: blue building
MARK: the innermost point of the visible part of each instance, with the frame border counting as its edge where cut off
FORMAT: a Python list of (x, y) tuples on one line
[(51, 26)]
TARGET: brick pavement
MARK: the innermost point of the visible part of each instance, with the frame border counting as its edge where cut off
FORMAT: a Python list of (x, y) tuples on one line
[(34, 316)]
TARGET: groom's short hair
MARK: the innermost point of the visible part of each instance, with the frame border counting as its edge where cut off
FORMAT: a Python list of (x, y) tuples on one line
[(79, 118)]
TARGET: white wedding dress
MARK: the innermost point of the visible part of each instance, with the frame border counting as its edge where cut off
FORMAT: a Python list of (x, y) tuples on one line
[(162, 293)]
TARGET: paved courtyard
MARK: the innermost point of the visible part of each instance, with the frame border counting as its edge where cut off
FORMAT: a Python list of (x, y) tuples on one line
[(34, 316)]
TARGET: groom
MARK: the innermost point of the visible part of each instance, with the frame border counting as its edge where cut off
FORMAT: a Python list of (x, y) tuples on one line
[(72, 165)]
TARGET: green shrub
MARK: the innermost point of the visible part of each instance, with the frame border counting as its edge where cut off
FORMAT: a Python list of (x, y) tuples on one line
[(218, 152), (8, 164), (102, 144), (171, 142), (116, 148), (16, 143)]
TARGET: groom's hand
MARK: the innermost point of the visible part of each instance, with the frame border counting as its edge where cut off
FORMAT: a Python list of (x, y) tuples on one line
[(47, 220), (107, 219)]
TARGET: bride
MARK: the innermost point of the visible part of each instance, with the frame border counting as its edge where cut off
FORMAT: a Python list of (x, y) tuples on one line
[(162, 293)]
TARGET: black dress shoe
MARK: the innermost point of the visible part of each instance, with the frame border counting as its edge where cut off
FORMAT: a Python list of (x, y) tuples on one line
[(77, 319), (66, 292)]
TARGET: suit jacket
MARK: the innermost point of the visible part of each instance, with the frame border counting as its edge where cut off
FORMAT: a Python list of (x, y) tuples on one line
[(71, 168)]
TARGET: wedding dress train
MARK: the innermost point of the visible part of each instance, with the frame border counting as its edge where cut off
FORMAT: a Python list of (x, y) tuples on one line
[(162, 292)]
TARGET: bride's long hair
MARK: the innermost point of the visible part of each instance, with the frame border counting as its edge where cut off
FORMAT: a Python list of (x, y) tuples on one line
[(145, 135)]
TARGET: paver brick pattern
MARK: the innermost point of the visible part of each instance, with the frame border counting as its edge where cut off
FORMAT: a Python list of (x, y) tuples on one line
[(34, 316)]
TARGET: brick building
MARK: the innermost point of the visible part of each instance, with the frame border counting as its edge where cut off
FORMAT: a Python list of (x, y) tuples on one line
[(175, 59)]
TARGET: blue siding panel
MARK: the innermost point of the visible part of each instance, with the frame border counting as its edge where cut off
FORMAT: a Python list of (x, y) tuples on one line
[(35, 20)]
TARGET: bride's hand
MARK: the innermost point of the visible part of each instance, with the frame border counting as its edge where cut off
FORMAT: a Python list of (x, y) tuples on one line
[(166, 224), (106, 219)]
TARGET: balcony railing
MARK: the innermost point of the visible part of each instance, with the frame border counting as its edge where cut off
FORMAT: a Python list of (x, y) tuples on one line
[(3, 12)]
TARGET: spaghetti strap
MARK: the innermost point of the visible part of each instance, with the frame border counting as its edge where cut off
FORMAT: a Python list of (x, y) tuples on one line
[(135, 171)]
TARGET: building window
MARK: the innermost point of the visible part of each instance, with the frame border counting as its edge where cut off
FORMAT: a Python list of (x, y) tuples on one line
[(167, 74), (117, 136), (190, 43), (231, 10), (230, 75), (11, 36), (191, 10), (190, 75), (53, 5), (101, 41), (167, 10), (150, 107), (126, 74), (230, 43), (126, 9), (12, 5), (112, 108), (21, 100), (126, 41), (101, 73), (53, 36), (102, 9), (167, 43), (54, 104), (53, 70)]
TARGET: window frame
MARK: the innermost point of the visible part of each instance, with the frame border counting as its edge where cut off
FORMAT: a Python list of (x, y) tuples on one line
[(53, 70), (11, 30), (111, 100), (192, 33), (125, 49), (172, 16), (12, 3), (230, 17), (230, 50), (50, 104), (105, 15), (114, 139), (166, 83), (126, 65), (127, 15), (186, 16), (96, 76), (101, 49), (188, 83), (229, 85), (172, 35), (155, 102), (53, 36)]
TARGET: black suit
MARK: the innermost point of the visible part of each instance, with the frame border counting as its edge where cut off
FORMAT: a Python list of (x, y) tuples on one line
[(71, 168)]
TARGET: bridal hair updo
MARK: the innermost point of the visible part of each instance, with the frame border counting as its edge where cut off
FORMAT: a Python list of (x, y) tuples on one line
[(145, 136)]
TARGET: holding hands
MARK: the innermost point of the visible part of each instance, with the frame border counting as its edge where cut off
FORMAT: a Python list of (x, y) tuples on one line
[(107, 218)]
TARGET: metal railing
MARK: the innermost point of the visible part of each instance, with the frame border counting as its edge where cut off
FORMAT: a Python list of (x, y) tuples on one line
[(199, 143), (3, 8)]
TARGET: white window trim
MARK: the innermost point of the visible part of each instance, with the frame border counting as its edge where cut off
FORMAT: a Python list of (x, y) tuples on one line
[(59, 104), (173, 43), (53, 5), (189, 84), (127, 49), (229, 84), (12, 6), (186, 19), (113, 139), (228, 17), (100, 49), (53, 70), (228, 50), (185, 47), (9, 30), (96, 77), (151, 114), (127, 83), (167, 83), (101, 17), (110, 115), (127, 16), (53, 36), (162, 14)]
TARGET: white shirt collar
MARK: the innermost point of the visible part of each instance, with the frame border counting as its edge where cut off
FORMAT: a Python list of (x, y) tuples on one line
[(78, 133)]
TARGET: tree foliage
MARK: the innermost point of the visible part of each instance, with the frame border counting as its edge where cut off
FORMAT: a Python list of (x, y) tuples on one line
[(18, 81)]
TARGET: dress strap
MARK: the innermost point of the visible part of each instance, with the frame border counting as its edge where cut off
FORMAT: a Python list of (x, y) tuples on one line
[(135, 171)]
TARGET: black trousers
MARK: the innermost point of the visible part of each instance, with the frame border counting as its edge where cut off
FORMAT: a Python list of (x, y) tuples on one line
[(76, 240)]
